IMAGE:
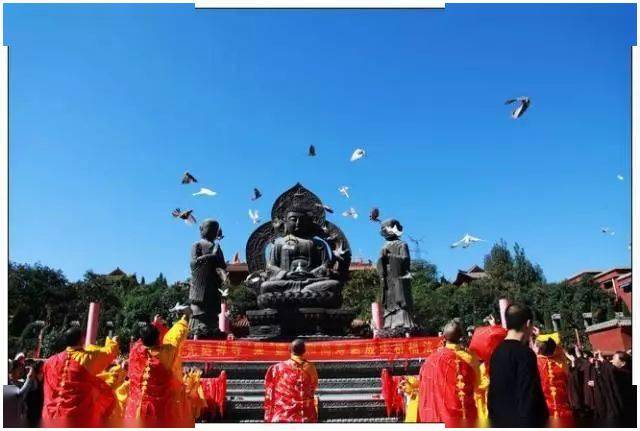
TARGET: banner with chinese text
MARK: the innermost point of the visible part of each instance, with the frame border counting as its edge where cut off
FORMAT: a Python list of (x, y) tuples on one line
[(337, 350)]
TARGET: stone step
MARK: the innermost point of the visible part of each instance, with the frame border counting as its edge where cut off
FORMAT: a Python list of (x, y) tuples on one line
[(346, 385), (326, 369), (329, 409)]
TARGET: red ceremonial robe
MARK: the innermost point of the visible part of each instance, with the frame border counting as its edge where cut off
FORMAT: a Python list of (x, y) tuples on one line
[(554, 378), (290, 388), (448, 379), (73, 394), (155, 383)]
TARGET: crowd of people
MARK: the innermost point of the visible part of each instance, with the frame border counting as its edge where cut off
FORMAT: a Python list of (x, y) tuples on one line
[(513, 377)]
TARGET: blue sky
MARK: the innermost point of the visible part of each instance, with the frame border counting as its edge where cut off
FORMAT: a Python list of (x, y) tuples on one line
[(110, 104)]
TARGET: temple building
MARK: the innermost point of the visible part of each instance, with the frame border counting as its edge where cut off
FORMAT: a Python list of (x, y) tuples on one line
[(472, 274)]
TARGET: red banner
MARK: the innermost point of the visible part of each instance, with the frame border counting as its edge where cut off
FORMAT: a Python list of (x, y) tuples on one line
[(337, 350)]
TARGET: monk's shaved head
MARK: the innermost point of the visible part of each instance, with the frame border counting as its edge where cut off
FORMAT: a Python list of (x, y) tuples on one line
[(453, 331), (297, 347)]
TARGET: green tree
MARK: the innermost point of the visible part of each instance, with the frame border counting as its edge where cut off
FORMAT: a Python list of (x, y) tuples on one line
[(360, 291)]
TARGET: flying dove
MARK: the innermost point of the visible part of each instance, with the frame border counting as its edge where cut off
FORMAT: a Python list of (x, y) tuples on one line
[(205, 192), (521, 108), (327, 208), (607, 231), (224, 293), (187, 178), (620, 177), (357, 154), (374, 215), (394, 230), (466, 241), (256, 194), (255, 218), (312, 151), (344, 190), (351, 212), (187, 215), (178, 308)]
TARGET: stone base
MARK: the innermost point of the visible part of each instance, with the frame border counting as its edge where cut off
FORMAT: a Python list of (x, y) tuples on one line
[(399, 332), (270, 323)]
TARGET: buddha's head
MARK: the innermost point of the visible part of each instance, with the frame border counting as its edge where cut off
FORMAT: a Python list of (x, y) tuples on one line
[(299, 222), (210, 230)]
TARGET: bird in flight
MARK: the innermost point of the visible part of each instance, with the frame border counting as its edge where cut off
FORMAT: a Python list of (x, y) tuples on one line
[(344, 190), (521, 108), (358, 154), (394, 230), (607, 231), (187, 215), (374, 215), (253, 215), (256, 194), (620, 177), (224, 293), (178, 308), (205, 192), (351, 212), (466, 241), (312, 151), (327, 208), (187, 178)]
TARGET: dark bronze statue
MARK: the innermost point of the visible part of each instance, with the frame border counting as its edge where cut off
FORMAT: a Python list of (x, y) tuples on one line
[(299, 261), (395, 277), (208, 274)]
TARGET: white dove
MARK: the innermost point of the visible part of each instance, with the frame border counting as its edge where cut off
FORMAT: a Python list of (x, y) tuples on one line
[(224, 292), (394, 230), (344, 190), (522, 107), (351, 212), (205, 192), (620, 177), (178, 308), (358, 154), (255, 218), (466, 241)]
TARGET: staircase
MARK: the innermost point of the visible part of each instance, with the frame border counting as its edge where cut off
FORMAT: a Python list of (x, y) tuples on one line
[(348, 391)]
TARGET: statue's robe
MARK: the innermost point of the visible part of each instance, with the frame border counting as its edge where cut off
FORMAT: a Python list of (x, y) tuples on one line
[(394, 269), (290, 388), (207, 264), (448, 379), (73, 394), (156, 391), (554, 379)]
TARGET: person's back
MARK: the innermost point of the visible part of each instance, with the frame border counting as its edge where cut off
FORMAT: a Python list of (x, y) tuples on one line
[(73, 395), (154, 383), (290, 388), (554, 380), (515, 393), (448, 379)]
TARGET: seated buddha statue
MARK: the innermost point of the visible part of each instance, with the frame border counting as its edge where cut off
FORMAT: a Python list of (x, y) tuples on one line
[(299, 261)]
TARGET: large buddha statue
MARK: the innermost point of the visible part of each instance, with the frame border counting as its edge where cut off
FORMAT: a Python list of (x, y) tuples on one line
[(299, 261)]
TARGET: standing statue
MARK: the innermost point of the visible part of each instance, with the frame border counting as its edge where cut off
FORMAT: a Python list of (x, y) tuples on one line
[(393, 268), (208, 274)]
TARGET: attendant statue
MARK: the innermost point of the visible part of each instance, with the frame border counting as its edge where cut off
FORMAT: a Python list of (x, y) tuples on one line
[(208, 274), (395, 278), (299, 261)]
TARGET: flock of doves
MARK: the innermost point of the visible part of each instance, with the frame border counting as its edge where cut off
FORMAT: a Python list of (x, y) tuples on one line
[(466, 241)]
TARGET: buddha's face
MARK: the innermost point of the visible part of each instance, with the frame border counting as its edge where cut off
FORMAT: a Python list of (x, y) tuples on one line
[(297, 223), (210, 230)]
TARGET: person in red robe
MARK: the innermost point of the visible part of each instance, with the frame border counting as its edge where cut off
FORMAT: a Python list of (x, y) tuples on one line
[(290, 388), (448, 380), (156, 392), (73, 394), (554, 379)]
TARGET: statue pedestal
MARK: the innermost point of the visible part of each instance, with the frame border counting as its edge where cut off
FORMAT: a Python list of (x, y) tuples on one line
[(292, 322)]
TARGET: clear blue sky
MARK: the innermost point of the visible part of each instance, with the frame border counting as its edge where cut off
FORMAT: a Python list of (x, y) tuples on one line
[(110, 104)]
